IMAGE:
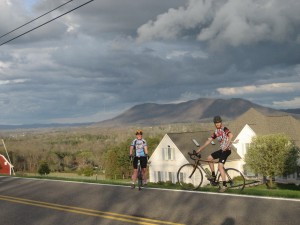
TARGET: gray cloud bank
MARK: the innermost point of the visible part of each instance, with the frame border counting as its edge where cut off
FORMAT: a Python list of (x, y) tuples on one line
[(109, 55)]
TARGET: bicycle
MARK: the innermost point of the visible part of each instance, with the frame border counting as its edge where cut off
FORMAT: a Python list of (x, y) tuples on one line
[(139, 174), (190, 175)]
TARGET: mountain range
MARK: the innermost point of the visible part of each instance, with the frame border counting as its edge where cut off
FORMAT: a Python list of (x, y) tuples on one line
[(199, 110)]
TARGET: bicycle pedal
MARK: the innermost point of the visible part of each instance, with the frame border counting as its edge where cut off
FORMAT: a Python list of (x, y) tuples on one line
[(213, 183), (211, 179)]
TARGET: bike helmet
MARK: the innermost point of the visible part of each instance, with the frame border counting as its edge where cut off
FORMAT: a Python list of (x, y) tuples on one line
[(138, 132), (217, 119)]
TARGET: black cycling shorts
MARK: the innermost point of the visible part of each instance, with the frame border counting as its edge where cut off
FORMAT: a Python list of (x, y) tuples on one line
[(221, 155), (143, 161)]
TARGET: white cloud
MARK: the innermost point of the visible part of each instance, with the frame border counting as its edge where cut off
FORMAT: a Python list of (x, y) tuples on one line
[(193, 54), (287, 104), (259, 89), (172, 23), (15, 81), (231, 22)]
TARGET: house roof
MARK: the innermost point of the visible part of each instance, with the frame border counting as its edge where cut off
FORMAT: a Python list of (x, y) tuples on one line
[(184, 142), (263, 124), (4, 159)]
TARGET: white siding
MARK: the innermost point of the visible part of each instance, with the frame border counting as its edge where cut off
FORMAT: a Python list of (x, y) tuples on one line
[(245, 138), (165, 161)]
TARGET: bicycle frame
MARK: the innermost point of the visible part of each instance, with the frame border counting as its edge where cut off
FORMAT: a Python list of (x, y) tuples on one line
[(194, 172), (197, 163)]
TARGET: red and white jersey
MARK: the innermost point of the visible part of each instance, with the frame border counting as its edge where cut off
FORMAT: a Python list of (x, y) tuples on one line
[(222, 136)]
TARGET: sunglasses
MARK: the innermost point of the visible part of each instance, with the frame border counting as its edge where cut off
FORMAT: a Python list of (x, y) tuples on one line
[(138, 133)]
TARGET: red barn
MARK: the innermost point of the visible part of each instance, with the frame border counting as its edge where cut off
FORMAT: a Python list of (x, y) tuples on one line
[(5, 166)]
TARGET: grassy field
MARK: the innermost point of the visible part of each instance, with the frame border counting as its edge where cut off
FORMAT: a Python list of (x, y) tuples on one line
[(279, 190)]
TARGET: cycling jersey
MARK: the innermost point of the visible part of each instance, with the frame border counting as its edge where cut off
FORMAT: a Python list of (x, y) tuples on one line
[(139, 147), (222, 136)]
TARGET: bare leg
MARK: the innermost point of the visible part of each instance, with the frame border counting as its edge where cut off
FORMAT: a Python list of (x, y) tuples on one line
[(222, 171), (134, 175), (144, 171)]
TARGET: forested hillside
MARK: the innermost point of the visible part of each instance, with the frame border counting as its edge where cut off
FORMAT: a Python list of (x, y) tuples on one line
[(80, 150)]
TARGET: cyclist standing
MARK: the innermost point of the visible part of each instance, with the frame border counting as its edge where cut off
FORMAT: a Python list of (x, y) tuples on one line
[(224, 136), (139, 149)]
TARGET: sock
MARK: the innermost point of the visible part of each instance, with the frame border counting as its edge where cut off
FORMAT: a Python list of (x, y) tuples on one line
[(224, 183), (213, 173)]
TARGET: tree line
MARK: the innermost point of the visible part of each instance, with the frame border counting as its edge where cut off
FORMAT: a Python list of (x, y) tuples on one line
[(80, 150), (84, 150)]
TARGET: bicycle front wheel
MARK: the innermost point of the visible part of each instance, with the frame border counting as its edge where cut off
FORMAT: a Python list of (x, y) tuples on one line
[(189, 177), (140, 178), (234, 179)]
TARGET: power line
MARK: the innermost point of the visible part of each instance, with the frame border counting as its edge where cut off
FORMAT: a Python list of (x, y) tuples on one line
[(46, 22), (35, 19)]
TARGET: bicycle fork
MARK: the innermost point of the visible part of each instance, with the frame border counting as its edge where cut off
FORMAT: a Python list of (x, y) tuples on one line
[(194, 169)]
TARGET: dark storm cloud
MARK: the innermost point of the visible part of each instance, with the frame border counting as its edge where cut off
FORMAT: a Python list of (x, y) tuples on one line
[(109, 55)]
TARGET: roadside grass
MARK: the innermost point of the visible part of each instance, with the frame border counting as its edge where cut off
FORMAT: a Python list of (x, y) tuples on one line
[(279, 190)]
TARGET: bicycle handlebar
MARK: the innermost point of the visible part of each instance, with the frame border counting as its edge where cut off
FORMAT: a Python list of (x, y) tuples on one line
[(131, 157), (194, 156)]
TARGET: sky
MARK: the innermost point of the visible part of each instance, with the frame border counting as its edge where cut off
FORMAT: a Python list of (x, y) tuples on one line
[(101, 59)]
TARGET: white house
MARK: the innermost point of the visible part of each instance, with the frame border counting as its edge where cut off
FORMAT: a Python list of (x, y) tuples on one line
[(253, 123), (172, 152)]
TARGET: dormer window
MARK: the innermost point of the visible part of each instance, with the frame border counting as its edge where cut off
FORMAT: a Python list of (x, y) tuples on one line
[(168, 153)]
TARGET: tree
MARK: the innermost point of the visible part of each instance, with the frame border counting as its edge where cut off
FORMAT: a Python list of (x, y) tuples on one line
[(61, 156), (272, 155), (44, 168), (117, 163)]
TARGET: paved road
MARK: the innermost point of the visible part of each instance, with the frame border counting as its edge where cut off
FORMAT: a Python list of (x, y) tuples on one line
[(45, 202)]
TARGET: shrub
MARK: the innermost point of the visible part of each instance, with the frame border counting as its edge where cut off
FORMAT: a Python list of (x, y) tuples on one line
[(44, 168), (87, 171)]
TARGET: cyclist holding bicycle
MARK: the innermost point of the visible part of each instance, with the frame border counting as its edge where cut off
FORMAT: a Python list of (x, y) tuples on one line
[(139, 150), (224, 136)]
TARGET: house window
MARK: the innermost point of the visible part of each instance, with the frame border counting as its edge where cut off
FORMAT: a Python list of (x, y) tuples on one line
[(159, 176), (171, 177), (181, 177), (168, 153), (163, 176)]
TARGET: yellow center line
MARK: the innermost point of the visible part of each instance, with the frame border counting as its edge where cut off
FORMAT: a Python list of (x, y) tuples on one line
[(89, 212)]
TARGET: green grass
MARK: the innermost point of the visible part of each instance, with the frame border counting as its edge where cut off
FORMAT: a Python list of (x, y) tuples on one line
[(279, 190)]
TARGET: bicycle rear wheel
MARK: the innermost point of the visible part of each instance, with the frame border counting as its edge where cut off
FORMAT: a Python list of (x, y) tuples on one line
[(189, 177), (234, 179)]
